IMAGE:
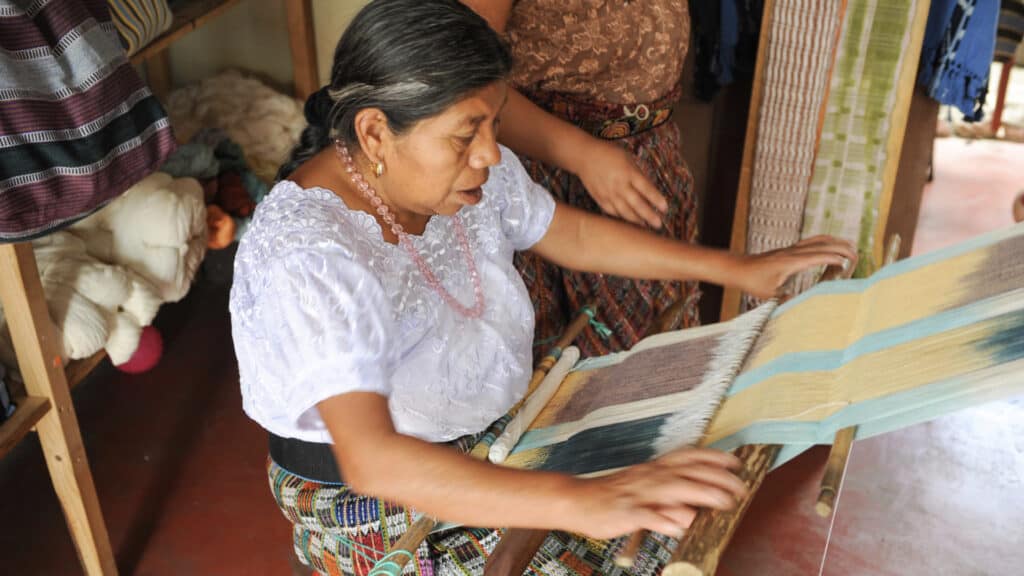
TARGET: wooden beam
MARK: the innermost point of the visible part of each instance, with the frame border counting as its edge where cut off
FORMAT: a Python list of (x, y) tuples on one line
[(302, 40), (37, 350), (701, 547), (738, 243), (78, 370), (30, 410), (189, 15), (158, 75)]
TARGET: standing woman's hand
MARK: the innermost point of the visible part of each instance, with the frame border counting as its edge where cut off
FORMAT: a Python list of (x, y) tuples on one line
[(617, 184)]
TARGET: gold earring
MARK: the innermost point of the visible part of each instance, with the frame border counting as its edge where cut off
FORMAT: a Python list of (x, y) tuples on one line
[(378, 169)]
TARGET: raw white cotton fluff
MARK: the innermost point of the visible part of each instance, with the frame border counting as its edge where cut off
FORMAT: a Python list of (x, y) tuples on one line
[(264, 122), (157, 229)]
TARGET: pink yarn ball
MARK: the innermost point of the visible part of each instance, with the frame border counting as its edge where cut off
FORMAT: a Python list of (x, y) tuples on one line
[(151, 347)]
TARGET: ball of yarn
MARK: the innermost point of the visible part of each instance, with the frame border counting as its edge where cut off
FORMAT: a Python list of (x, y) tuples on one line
[(146, 356)]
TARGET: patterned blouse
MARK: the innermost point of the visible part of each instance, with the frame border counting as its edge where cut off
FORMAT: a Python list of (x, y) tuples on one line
[(615, 51), (321, 305)]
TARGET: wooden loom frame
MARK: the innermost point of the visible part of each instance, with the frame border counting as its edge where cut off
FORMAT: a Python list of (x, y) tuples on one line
[(45, 405)]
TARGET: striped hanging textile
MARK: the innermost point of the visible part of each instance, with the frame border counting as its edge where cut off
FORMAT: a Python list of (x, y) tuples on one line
[(920, 338), (77, 125), (139, 22), (846, 187), (801, 47), (801, 40)]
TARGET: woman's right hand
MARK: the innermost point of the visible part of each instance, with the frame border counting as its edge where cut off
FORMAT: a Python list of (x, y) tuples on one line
[(662, 495)]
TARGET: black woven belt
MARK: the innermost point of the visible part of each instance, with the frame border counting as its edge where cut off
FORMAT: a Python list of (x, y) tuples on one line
[(310, 460)]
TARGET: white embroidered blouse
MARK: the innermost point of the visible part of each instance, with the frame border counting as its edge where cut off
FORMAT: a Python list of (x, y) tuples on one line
[(321, 305)]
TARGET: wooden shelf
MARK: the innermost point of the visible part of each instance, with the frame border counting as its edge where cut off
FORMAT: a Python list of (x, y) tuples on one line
[(31, 410), (78, 370), (188, 16)]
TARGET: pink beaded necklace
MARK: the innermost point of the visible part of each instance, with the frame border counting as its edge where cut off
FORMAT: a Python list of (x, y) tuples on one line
[(403, 240)]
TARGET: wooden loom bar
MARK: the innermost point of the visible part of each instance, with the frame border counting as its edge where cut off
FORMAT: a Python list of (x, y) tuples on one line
[(738, 243), (36, 347), (835, 469), (702, 545)]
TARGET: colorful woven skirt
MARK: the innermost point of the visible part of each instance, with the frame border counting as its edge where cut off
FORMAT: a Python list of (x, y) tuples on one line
[(337, 532), (627, 306)]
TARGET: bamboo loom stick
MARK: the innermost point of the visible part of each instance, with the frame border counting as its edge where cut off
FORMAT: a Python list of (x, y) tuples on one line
[(839, 455), (626, 557), (405, 548), (832, 480)]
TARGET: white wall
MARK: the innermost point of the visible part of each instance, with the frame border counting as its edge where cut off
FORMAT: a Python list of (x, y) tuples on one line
[(253, 36)]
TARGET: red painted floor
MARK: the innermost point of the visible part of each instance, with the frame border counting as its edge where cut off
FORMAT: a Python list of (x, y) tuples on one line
[(179, 468)]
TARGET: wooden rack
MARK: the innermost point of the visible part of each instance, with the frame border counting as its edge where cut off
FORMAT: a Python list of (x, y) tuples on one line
[(45, 403)]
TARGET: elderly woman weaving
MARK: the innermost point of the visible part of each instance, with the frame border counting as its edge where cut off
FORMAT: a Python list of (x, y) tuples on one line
[(380, 325)]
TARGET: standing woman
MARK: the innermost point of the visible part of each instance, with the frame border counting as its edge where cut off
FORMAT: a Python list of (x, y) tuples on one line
[(596, 81)]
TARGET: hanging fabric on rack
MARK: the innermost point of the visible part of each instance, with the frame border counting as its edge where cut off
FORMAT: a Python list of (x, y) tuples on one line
[(845, 193), (1011, 30), (959, 42), (139, 22), (77, 125)]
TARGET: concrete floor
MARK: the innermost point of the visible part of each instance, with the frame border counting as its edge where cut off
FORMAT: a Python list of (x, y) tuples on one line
[(179, 468)]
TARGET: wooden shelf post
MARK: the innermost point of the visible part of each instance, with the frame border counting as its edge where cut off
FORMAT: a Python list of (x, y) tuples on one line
[(302, 42), (37, 350)]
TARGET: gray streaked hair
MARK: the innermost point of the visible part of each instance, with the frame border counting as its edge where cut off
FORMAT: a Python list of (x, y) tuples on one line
[(411, 59)]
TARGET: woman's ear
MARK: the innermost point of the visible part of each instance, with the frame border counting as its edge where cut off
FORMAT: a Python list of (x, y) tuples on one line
[(373, 132)]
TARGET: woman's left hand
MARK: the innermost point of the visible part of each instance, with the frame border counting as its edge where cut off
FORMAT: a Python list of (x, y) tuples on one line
[(765, 274)]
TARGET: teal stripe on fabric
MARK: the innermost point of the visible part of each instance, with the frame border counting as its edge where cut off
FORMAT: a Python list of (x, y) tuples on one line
[(826, 360), (904, 266), (38, 158), (889, 413)]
